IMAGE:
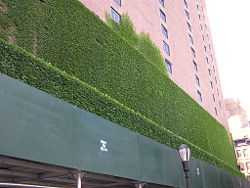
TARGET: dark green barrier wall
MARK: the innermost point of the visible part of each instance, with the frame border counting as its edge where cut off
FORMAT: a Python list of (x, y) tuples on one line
[(39, 127), (36, 126)]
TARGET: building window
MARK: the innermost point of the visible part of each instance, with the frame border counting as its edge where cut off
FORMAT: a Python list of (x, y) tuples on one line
[(166, 48), (118, 2), (205, 48), (193, 52), (115, 15), (199, 16), (216, 112), (248, 167), (211, 83), (238, 153), (203, 37), (169, 66), (187, 14), (189, 27), (211, 57), (195, 66), (220, 104), (206, 26), (209, 47), (163, 16), (245, 153), (197, 80), (213, 98), (241, 165), (199, 96), (186, 4), (209, 72), (161, 2), (197, 6), (215, 80), (164, 31), (190, 38), (207, 60), (201, 27), (214, 69)]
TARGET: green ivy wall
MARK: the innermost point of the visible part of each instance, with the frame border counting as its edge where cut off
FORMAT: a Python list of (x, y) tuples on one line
[(91, 66)]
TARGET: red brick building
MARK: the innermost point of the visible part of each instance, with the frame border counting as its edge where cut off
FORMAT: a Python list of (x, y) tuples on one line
[(181, 31)]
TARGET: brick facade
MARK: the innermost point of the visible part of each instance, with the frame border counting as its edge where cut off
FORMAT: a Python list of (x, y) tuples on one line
[(145, 15)]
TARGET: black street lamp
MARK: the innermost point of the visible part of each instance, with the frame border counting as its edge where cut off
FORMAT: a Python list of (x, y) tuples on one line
[(184, 152)]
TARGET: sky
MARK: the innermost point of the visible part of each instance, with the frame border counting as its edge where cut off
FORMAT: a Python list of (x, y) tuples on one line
[(230, 26)]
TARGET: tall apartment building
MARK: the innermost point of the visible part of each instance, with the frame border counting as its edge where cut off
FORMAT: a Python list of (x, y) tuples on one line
[(180, 29)]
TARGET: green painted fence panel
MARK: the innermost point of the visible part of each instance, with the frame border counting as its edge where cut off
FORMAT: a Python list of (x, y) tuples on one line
[(34, 126), (101, 146), (39, 127), (196, 173), (236, 182), (160, 164), (245, 184), (240, 183), (210, 176), (225, 179)]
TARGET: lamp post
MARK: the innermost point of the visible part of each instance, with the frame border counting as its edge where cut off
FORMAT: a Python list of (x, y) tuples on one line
[(184, 152)]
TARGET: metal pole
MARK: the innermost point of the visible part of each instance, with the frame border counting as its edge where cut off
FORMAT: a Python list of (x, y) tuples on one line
[(79, 180), (186, 171), (140, 185), (187, 178), (78, 176)]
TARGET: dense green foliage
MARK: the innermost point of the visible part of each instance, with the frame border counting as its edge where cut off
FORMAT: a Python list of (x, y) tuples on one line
[(125, 28), (141, 42), (106, 75), (24, 16)]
